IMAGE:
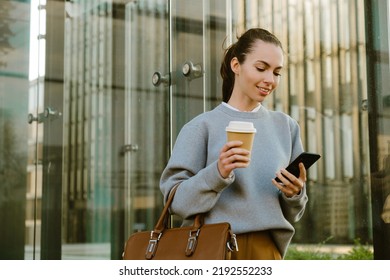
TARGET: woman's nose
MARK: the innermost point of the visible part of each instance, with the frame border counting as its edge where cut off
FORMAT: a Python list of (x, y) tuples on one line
[(269, 77)]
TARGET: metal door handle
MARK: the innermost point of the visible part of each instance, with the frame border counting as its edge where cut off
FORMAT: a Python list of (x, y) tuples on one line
[(129, 148), (48, 113), (158, 79), (191, 70), (31, 118)]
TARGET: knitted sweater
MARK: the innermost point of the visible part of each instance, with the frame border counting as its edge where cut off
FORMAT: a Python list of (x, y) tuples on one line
[(247, 200)]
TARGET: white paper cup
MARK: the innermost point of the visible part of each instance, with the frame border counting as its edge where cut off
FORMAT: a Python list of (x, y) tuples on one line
[(242, 131)]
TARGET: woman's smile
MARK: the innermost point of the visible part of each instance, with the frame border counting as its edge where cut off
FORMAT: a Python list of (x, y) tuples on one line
[(263, 91)]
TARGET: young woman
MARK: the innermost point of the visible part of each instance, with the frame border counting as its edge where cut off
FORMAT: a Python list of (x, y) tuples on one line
[(231, 184)]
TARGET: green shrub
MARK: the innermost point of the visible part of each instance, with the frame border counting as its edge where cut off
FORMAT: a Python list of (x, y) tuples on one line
[(358, 252), (294, 254)]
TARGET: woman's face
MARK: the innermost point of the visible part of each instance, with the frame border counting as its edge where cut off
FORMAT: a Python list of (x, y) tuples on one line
[(259, 74)]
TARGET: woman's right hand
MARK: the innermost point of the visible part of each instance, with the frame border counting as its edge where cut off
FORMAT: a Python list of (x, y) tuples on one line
[(232, 157)]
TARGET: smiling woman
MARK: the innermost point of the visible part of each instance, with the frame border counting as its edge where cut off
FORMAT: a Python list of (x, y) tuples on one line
[(216, 177)]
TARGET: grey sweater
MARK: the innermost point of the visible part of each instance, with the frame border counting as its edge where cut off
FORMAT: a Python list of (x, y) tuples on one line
[(248, 200)]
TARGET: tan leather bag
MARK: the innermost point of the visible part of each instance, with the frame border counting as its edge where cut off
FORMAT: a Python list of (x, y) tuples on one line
[(197, 242)]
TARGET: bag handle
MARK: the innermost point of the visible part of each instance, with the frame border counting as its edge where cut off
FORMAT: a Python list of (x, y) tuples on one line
[(161, 225), (162, 221)]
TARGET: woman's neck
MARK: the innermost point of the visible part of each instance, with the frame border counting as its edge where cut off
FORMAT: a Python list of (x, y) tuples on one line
[(243, 107), (242, 103)]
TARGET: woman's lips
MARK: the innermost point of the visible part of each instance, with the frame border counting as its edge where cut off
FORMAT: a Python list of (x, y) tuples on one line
[(264, 91)]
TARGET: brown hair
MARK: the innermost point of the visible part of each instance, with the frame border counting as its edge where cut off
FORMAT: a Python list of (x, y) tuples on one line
[(240, 49)]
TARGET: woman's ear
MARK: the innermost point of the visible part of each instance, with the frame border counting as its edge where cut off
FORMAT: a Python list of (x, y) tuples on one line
[(235, 65)]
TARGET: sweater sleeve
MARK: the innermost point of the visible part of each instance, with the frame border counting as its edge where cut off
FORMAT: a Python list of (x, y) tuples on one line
[(200, 185), (294, 207)]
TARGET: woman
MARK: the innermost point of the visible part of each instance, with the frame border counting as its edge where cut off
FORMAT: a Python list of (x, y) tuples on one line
[(231, 184)]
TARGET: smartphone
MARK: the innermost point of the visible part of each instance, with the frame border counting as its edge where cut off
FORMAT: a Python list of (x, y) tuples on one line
[(308, 159)]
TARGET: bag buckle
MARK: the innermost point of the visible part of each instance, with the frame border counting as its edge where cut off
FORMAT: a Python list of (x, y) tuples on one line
[(152, 246), (192, 241), (232, 244)]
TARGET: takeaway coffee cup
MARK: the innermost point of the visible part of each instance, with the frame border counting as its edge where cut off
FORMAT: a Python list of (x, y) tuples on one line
[(243, 131)]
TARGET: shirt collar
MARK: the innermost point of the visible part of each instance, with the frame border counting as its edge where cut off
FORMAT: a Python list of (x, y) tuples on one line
[(257, 108)]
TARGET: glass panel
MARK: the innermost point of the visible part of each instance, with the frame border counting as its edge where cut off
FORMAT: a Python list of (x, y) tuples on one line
[(114, 147), (378, 49), (217, 20), (91, 152), (18, 139), (187, 62), (146, 111), (103, 150), (198, 36), (35, 146)]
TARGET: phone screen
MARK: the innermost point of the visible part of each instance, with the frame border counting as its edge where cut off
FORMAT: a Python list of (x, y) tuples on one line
[(308, 159)]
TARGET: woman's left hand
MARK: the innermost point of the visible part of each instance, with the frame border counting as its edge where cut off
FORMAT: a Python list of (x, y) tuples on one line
[(291, 185)]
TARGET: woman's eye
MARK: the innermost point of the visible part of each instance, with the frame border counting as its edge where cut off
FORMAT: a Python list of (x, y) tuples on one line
[(260, 69)]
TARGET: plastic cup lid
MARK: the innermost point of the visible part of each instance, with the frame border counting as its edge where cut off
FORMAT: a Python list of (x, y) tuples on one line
[(236, 126)]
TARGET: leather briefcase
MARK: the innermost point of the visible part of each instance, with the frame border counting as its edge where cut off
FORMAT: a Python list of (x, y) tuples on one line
[(197, 242)]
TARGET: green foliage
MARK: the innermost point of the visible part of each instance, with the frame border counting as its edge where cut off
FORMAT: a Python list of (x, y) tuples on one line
[(295, 254), (358, 252)]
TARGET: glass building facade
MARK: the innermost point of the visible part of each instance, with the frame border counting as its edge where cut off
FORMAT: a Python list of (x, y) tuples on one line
[(94, 92)]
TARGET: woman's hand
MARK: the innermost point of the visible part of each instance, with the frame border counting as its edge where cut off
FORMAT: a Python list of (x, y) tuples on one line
[(232, 157), (291, 185)]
